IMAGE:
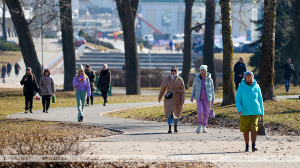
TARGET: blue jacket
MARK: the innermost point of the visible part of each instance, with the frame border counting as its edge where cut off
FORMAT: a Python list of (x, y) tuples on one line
[(249, 99), (209, 88)]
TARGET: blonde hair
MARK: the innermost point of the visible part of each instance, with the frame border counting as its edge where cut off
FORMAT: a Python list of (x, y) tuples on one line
[(204, 76), (84, 75)]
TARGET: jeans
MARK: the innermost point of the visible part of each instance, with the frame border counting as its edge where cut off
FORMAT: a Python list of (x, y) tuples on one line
[(28, 102), (80, 98), (3, 80), (171, 120), (46, 101), (92, 98), (287, 84)]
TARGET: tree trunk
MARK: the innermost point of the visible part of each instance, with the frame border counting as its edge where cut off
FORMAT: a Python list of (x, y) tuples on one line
[(187, 55), (25, 39), (67, 43), (208, 48), (127, 13), (268, 51), (228, 85), (296, 21), (3, 21)]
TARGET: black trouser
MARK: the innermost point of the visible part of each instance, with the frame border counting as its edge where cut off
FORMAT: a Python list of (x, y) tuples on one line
[(104, 95), (28, 102), (92, 98), (237, 85), (46, 101)]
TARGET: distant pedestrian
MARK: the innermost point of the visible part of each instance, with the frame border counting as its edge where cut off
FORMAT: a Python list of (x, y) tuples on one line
[(81, 83), (92, 78), (249, 105), (239, 69), (203, 92), (171, 46), (198, 42), (177, 46), (194, 45), (29, 89), (47, 89), (3, 73), (8, 68), (288, 70), (141, 47), (174, 98), (17, 68), (124, 67), (104, 82)]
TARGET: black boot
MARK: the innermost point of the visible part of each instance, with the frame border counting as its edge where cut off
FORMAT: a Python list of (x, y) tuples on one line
[(175, 128), (43, 110), (170, 131), (254, 147), (247, 148)]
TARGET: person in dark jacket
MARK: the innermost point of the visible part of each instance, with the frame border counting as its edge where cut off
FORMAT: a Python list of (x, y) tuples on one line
[(239, 69), (3, 73), (171, 46), (288, 70), (92, 77), (29, 88), (8, 68), (17, 68), (104, 82)]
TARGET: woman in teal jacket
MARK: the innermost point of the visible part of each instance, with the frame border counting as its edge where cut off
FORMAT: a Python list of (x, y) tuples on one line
[(249, 105)]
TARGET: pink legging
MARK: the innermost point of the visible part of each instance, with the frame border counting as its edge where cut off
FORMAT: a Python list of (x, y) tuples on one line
[(203, 108)]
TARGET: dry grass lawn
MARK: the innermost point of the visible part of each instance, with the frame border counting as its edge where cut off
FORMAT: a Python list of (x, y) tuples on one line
[(101, 47), (12, 56)]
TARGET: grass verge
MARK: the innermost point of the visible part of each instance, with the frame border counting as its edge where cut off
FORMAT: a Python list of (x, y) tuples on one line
[(12, 56), (280, 117), (98, 47)]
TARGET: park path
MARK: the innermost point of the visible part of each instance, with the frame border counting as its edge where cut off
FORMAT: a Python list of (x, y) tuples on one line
[(144, 140)]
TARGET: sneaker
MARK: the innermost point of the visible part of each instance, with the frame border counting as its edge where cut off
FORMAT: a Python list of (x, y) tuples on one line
[(198, 129), (104, 104), (31, 111), (87, 105), (247, 148), (46, 111), (254, 147), (204, 129), (26, 111)]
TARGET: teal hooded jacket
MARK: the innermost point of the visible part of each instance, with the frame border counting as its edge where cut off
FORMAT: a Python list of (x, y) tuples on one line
[(249, 99)]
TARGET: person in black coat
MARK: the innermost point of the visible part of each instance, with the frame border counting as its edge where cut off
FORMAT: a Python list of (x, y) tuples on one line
[(104, 82), (8, 69), (29, 88), (239, 69), (3, 73), (17, 68), (288, 71)]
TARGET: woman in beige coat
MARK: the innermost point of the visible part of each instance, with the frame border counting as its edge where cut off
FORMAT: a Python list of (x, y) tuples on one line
[(47, 89), (174, 104)]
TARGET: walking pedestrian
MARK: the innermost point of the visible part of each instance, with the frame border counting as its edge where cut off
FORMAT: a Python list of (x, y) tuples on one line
[(171, 46), (249, 105), (29, 88), (203, 92), (288, 70), (141, 47), (239, 69), (3, 73), (92, 78), (8, 68), (81, 83), (104, 82), (47, 89), (17, 68), (174, 98)]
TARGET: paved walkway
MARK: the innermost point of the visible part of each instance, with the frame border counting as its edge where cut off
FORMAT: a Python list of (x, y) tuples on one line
[(148, 141)]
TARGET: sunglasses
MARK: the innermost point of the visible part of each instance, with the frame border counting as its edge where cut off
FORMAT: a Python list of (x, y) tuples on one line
[(173, 70)]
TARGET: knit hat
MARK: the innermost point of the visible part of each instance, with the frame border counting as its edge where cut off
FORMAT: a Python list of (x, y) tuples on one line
[(80, 67), (204, 67), (247, 73), (28, 68)]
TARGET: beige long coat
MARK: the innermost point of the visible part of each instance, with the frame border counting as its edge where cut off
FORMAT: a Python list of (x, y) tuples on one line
[(46, 86), (175, 86)]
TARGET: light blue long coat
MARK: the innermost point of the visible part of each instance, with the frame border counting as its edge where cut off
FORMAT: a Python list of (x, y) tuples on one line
[(209, 88), (249, 99)]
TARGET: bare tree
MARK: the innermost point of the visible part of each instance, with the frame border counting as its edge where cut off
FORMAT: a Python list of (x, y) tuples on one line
[(68, 43), (208, 48), (228, 84), (24, 36), (4, 21), (127, 12), (296, 21), (187, 56), (268, 51)]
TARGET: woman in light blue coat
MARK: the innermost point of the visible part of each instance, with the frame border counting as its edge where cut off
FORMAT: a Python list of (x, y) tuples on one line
[(249, 105), (203, 92)]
